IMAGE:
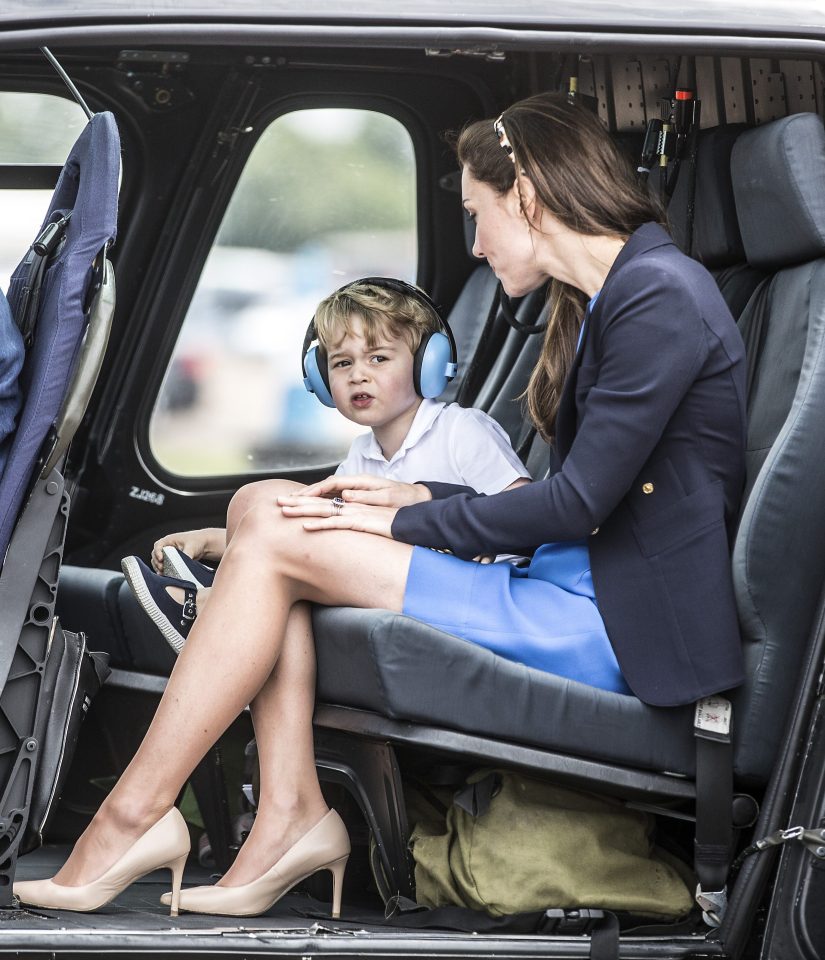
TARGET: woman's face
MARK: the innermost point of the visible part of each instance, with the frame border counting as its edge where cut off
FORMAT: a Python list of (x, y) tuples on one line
[(503, 235)]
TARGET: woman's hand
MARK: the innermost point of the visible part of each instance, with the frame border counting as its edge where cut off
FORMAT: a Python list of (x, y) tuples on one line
[(323, 513), (366, 489), (207, 544)]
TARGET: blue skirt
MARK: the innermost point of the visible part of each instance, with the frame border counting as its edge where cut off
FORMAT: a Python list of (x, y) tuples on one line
[(544, 616)]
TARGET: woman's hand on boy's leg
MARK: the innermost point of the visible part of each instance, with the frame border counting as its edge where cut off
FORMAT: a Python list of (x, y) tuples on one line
[(322, 513), (207, 544), (366, 489)]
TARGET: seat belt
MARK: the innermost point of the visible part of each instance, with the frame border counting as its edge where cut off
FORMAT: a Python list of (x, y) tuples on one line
[(714, 805), (479, 354), (40, 254)]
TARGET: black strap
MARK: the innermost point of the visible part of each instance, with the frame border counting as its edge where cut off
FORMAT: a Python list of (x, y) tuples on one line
[(26, 313), (600, 925), (691, 195), (475, 798), (754, 331), (714, 805), (604, 940), (41, 253), (466, 390), (525, 441), (510, 315), (189, 608)]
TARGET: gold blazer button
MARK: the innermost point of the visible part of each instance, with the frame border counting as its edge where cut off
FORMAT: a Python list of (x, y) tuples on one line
[(647, 488)]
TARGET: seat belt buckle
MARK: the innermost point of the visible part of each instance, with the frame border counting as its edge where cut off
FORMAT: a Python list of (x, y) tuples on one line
[(713, 904), (572, 923), (712, 719)]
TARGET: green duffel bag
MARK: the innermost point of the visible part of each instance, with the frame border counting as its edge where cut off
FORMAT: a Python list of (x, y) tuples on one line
[(511, 844)]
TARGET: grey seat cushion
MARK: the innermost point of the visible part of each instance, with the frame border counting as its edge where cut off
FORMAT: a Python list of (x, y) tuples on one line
[(403, 669)]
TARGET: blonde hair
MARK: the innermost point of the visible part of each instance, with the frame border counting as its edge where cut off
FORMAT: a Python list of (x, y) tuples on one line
[(383, 313), (584, 180)]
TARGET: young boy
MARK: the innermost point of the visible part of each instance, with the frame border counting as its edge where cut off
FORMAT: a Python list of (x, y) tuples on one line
[(368, 335)]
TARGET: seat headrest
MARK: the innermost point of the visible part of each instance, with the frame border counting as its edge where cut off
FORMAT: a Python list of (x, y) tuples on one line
[(716, 238), (778, 175)]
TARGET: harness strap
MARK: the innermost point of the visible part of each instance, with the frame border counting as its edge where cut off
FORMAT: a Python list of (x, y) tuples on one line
[(468, 381), (714, 804)]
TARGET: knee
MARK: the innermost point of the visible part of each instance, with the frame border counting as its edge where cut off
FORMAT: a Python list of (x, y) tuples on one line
[(261, 494), (241, 502), (261, 528)]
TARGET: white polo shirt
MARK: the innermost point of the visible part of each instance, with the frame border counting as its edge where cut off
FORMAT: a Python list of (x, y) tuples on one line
[(445, 443)]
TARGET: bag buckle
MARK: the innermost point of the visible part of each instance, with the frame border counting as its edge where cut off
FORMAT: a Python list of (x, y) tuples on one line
[(570, 922)]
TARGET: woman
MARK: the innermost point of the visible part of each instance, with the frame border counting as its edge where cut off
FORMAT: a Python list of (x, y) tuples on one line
[(640, 385)]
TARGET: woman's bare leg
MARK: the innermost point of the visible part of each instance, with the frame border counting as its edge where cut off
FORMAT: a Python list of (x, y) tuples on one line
[(245, 498), (290, 800), (271, 564)]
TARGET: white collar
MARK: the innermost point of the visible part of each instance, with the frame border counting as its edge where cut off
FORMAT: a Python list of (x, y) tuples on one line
[(425, 417)]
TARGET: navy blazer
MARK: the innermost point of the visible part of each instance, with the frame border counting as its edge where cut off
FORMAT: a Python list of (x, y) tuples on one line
[(650, 436)]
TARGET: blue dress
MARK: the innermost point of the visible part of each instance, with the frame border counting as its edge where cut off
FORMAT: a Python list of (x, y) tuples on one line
[(544, 616)]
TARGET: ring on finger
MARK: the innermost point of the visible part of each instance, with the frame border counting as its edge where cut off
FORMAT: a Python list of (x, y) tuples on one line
[(337, 506)]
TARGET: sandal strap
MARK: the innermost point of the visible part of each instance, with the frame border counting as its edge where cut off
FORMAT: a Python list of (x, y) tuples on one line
[(190, 604)]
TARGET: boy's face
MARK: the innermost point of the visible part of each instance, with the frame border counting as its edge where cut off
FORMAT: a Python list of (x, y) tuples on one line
[(372, 386)]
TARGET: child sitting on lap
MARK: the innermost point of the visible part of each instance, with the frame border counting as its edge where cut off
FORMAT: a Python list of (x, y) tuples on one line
[(372, 335)]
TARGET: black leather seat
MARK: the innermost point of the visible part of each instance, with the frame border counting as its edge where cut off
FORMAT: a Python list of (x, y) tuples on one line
[(398, 668), (385, 678), (715, 239)]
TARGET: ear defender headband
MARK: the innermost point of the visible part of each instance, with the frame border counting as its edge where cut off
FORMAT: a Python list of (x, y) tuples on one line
[(435, 362)]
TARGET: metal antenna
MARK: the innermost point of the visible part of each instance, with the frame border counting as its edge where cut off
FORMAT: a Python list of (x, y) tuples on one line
[(67, 80)]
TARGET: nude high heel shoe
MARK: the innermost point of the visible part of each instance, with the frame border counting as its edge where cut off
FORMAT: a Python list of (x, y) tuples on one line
[(165, 844), (324, 847)]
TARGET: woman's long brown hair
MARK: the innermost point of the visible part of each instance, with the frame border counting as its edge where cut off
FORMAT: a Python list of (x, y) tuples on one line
[(584, 180)]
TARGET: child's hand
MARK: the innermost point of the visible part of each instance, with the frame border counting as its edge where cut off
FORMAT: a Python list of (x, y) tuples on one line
[(366, 489), (324, 514), (207, 544)]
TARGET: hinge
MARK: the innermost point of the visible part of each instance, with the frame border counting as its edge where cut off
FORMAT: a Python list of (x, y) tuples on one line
[(156, 76), (238, 122)]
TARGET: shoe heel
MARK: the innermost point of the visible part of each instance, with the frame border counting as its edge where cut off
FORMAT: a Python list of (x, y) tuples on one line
[(337, 868), (177, 867)]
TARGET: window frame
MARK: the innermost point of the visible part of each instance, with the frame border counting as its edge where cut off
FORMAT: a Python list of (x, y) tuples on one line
[(261, 122)]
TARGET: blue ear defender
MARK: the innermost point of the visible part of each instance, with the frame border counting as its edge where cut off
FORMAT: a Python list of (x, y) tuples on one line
[(433, 365), (316, 373), (435, 362)]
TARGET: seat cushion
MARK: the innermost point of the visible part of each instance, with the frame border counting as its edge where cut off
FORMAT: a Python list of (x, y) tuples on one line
[(403, 669)]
